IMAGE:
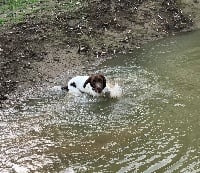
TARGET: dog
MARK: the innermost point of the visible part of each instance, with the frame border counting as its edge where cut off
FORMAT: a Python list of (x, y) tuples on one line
[(94, 85)]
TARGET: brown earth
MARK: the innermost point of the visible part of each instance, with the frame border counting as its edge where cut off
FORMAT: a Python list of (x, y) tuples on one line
[(40, 49)]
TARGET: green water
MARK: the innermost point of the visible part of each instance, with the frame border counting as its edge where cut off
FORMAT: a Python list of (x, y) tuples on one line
[(153, 127)]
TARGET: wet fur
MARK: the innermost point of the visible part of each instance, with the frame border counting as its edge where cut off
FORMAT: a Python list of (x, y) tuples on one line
[(97, 82), (93, 85)]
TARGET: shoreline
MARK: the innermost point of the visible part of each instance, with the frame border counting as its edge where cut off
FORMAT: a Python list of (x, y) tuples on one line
[(39, 50)]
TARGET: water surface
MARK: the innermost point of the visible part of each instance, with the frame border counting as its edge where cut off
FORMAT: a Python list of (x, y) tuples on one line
[(153, 127)]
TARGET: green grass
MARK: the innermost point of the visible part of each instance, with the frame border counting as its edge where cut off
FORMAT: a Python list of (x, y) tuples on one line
[(14, 11)]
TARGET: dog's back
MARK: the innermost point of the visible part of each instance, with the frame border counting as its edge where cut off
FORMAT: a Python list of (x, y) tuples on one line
[(75, 85)]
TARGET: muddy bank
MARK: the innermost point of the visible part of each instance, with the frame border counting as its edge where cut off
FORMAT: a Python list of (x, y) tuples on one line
[(40, 49), (192, 9)]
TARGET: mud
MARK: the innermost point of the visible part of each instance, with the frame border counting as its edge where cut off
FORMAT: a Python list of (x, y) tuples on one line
[(192, 9), (40, 49)]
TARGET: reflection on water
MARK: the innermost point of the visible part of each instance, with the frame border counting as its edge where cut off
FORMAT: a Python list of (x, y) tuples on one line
[(154, 126)]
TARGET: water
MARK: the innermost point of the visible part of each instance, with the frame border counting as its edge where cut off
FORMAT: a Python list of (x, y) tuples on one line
[(153, 127)]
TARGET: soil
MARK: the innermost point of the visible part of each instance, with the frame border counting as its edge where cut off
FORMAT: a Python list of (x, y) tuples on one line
[(41, 49), (192, 9)]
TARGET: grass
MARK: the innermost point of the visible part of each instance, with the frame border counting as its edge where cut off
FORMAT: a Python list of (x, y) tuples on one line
[(14, 11)]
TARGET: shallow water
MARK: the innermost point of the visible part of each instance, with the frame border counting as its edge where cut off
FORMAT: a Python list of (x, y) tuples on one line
[(153, 127)]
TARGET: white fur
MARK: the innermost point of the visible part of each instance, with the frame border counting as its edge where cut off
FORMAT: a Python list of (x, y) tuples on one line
[(110, 90), (79, 81)]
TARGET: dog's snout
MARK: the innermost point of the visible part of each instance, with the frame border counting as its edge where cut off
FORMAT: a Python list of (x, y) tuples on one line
[(99, 89)]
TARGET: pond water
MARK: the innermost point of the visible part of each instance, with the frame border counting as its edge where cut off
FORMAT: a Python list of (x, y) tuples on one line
[(153, 127)]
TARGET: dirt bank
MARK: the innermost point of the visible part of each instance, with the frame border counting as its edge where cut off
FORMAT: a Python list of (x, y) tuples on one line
[(192, 9), (42, 48)]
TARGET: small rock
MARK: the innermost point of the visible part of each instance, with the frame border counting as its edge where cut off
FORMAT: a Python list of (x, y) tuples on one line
[(19, 169), (3, 97), (69, 170), (56, 59)]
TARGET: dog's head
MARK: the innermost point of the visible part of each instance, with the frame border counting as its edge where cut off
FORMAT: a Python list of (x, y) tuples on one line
[(97, 82)]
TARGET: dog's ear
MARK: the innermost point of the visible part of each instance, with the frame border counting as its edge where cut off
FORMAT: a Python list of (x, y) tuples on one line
[(86, 82), (104, 80)]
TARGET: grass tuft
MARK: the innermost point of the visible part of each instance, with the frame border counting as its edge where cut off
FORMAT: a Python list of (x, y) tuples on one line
[(14, 11)]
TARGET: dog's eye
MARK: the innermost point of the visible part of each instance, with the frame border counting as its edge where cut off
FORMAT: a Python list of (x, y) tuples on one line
[(99, 80)]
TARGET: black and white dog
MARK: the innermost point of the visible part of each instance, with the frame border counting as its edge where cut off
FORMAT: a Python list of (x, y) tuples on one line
[(95, 85)]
